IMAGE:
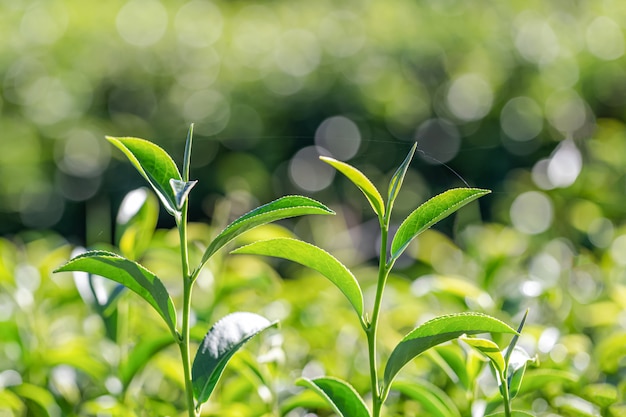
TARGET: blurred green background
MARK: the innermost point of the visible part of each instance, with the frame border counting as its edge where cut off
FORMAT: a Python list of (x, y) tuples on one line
[(527, 98)]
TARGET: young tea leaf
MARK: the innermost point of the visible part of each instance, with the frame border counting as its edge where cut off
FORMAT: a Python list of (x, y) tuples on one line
[(132, 275), (429, 213), (489, 350), (339, 394), (224, 339), (435, 401), (362, 182), (314, 258), (436, 331), (284, 207), (154, 164), (398, 177), (181, 191)]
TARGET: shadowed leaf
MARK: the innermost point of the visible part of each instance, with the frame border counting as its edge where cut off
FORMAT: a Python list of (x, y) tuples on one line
[(224, 339)]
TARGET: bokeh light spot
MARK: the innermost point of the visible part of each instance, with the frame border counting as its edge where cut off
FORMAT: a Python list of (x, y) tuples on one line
[(342, 33), (521, 119), (470, 97), (566, 111), (308, 172), (532, 212), (44, 22), (605, 39), (565, 164), (535, 39), (199, 23), (142, 22), (297, 52), (439, 140), (340, 136)]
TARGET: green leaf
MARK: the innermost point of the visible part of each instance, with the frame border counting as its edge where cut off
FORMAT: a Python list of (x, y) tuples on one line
[(284, 207), (436, 331), (306, 399), (132, 275), (154, 164), (362, 182), (516, 367), (429, 213), (314, 258), (40, 400), (536, 379), (489, 350), (224, 339), (339, 394), (435, 401), (602, 395), (141, 355), (135, 223), (398, 177), (187, 156)]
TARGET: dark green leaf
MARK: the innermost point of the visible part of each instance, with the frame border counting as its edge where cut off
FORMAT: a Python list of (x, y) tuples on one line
[(435, 401), (429, 213), (362, 182), (339, 394), (398, 177), (284, 207), (314, 258), (436, 331), (154, 164), (134, 276), (224, 339)]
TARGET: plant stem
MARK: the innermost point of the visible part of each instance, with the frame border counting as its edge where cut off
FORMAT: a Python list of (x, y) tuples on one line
[(371, 331), (183, 343)]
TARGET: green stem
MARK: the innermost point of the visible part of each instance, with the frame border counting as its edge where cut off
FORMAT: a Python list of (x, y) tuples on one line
[(371, 331), (183, 342)]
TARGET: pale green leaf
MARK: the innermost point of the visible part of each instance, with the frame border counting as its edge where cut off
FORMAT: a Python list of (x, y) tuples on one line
[(314, 258), (489, 350), (130, 274), (434, 400), (136, 222), (224, 339), (398, 177), (284, 207), (340, 395), (362, 182), (181, 191), (429, 213), (436, 331), (154, 164)]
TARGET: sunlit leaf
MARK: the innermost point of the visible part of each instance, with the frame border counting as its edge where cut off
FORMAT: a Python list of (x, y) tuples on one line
[(489, 350), (341, 396), (224, 339), (517, 363), (602, 395), (362, 182), (436, 331), (314, 258), (132, 275), (154, 164), (536, 379), (141, 355), (429, 213), (398, 177), (135, 223), (284, 207), (434, 401)]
